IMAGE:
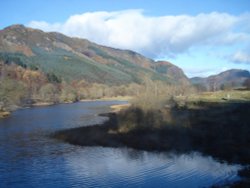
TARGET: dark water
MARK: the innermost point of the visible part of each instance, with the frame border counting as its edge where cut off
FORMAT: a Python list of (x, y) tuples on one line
[(29, 158)]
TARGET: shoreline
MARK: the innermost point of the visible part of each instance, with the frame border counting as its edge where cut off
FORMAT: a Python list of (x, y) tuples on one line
[(118, 107), (118, 98), (224, 137), (6, 114), (110, 130), (43, 104)]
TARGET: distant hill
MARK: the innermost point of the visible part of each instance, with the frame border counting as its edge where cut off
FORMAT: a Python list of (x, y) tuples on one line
[(228, 79), (79, 59)]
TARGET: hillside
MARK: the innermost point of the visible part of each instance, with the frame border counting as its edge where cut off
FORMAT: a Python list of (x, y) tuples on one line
[(233, 78), (171, 71), (39, 68), (77, 59)]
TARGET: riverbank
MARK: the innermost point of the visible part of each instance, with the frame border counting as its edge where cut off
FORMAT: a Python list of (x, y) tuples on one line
[(207, 129), (117, 108), (218, 129), (118, 98), (44, 104), (4, 114)]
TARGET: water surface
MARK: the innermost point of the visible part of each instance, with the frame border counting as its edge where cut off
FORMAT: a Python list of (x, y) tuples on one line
[(30, 158)]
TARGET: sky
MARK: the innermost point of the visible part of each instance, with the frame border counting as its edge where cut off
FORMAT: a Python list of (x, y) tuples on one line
[(201, 37)]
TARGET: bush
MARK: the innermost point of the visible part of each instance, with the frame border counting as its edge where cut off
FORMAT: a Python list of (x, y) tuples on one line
[(12, 93), (134, 118), (68, 93)]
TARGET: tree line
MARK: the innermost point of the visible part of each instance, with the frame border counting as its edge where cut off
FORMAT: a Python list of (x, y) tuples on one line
[(22, 85)]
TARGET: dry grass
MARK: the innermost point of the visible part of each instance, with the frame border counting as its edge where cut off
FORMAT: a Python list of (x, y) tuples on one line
[(119, 107), (218, 96), (218, 129), (118, 98), (4, 114)]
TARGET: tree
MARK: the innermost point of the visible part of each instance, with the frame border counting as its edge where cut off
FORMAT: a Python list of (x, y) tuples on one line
[(34, 80), (200, 87), (48, 93), (246, 83), (96, 91), (53, 78), (68, 93), (212, 84), (12, 93)]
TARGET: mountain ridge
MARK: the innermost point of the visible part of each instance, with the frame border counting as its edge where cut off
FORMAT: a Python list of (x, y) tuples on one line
[(108, 64), (231, 78)]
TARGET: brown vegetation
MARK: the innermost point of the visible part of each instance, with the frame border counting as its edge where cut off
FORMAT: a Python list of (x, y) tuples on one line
[(22, 86), (216, 129), (4, 114)]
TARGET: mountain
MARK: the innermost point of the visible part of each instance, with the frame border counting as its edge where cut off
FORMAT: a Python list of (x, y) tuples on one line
[(168, 69), (228, 79), (79, 59)]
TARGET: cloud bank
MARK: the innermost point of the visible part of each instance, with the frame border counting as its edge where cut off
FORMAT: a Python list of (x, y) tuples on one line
[(155, 37), (241, 57)]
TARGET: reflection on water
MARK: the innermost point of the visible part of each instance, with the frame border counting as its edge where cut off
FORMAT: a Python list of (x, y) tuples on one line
[(101, 167), (29, 158)]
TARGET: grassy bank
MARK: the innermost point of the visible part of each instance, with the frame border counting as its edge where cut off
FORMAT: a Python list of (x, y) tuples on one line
[(218, 129)]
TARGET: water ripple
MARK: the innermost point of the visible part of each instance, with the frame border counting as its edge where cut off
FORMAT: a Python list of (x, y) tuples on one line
[(29, 158)]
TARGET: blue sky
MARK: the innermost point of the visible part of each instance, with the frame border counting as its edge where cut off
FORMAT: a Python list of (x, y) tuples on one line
[(202, 37)]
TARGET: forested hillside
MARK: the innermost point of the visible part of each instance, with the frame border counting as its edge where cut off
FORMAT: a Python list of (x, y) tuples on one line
[(75, 59), (38, 67)]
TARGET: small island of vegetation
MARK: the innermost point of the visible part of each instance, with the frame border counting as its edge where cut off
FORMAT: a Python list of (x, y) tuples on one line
[(207, 122)]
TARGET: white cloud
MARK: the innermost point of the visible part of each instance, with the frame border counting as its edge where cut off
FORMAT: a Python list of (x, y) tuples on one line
[(45, 26), (198, 72), (241, 57), (153, 36)]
